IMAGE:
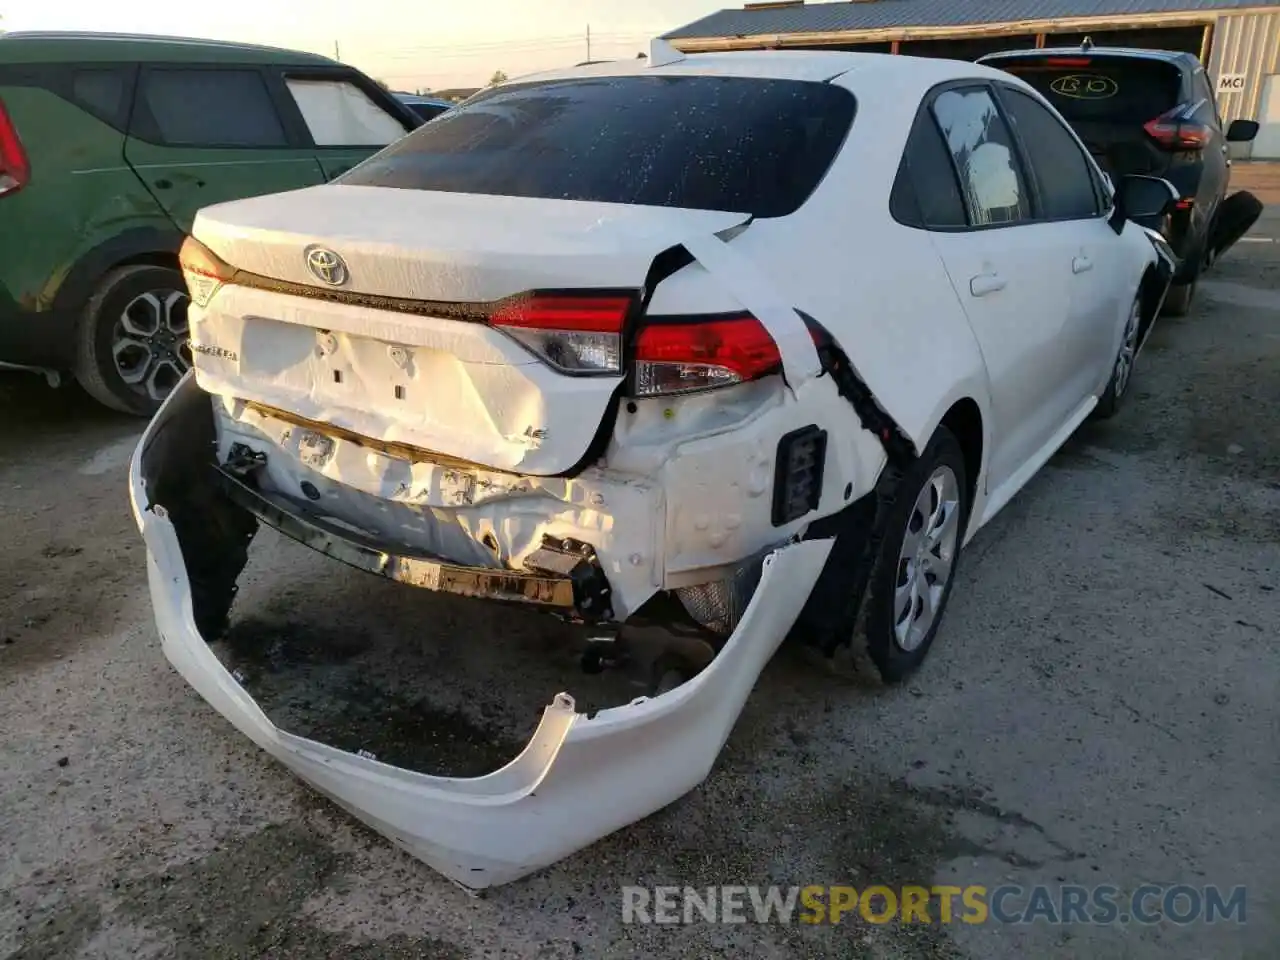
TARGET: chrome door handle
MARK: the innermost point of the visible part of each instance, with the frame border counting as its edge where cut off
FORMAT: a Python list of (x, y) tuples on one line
[(985, 283), (1081, 264)]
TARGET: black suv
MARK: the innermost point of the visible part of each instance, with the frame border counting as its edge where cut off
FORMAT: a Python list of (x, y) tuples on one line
[(1150, 112)]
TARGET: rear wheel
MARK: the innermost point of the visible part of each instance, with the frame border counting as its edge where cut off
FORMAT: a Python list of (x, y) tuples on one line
[(134, 341), (912, 579)]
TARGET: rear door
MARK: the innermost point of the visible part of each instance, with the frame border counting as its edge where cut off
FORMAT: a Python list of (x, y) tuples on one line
[(204, 134), (347, 117), (1011, 274), (1069, 196)]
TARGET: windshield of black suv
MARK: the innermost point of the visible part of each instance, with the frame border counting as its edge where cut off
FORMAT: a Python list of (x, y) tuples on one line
[(1111, 89), (748, 145)]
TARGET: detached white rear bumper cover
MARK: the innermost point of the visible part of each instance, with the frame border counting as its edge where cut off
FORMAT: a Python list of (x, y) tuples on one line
[(579, 778)]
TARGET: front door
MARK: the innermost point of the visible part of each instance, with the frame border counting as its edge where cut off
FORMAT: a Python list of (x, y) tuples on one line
[(207, 134)]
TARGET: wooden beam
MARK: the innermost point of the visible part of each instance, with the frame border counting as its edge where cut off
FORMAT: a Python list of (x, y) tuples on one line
[(893, 47), (1206, 45), (1039, 41)]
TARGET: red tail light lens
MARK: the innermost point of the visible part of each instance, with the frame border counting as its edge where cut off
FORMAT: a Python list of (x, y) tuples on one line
[(700, 354), (1173, 133), (204, 271), (15, 170), (574, 333), (1067, 61)]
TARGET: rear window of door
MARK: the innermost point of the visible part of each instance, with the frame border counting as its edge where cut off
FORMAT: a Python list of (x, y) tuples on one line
[(712, 143), (1064, 177), (207, 108), (926, 193), (1103, 88), (339, 114), (981, 146)]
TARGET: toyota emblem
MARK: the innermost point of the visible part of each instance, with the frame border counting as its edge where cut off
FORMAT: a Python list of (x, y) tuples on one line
[(326, 266)]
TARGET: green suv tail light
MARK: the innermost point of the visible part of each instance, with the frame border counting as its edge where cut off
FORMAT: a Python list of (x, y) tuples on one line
[(15, 170)]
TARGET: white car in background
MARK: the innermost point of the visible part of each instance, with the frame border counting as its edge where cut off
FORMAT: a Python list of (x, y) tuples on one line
[(769, 335)]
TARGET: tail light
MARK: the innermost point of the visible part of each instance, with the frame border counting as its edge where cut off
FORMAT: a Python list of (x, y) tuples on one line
[(684, 356), (1172, 132), (574, 333), (1067, 61), (204, 271), (15, 169)]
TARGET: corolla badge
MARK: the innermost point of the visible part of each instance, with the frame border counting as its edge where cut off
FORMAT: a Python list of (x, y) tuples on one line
[(1085, 86), (326, 266)]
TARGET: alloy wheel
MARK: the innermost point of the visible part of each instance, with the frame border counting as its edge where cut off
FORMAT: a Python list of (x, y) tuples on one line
[(926, 558), (150, 342), (1128, 351)]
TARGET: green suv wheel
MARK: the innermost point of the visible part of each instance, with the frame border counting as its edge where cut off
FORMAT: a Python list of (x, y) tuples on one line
[(134, 342)]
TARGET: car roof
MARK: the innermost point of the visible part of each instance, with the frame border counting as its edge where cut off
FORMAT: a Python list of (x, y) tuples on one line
[(811, 65), (1176, 57), (52, 46)]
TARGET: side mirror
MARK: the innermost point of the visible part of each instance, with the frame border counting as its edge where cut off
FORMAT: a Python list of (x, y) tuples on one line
[(1145, 200), (1242, 131)]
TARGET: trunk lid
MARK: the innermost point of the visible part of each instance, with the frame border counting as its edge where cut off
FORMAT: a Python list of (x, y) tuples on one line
[(385, 351)]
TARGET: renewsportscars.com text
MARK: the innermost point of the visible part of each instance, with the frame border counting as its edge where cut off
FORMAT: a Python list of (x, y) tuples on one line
[(1100, 905)]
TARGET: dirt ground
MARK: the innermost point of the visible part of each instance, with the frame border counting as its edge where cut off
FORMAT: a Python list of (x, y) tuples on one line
[(1100, 708)]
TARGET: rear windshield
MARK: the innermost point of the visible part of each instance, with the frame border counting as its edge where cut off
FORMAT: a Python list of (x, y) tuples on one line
[(1103, 89), (706, 143)]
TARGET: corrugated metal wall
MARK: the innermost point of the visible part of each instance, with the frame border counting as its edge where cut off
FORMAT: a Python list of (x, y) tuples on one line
[(1248, 45)]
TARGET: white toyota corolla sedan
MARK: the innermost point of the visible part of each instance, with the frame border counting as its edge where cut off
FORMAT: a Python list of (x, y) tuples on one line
[(699, 352)]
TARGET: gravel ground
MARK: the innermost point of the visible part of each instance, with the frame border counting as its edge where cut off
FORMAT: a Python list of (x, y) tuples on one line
[(1100, 708)]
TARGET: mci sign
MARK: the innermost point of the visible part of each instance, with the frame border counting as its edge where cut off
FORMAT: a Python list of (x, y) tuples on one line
[(1231, 83)]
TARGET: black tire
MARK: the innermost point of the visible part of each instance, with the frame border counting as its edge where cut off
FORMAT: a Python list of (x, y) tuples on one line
[(96, 367), (1118, 386), (1235, 217), (893, 660), (1177, 303)]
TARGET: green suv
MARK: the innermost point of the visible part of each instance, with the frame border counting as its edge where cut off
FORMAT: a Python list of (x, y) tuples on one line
[(108, 147)]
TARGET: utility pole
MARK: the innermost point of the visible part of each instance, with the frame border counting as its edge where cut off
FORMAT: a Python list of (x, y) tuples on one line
[(588, 43)]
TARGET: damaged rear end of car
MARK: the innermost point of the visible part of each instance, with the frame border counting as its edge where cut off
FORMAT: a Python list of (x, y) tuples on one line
[(468, 369)]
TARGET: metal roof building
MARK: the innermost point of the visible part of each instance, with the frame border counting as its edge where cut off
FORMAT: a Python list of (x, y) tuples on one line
[(1238, 40)]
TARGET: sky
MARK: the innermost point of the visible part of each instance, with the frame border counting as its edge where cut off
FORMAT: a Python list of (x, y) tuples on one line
[(428, 44)]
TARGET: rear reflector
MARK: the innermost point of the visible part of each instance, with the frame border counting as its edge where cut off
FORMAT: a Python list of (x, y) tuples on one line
[(15, 169), (1067, 61), (575, 333), (695, 354), (1171, 132), (797, 482)]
